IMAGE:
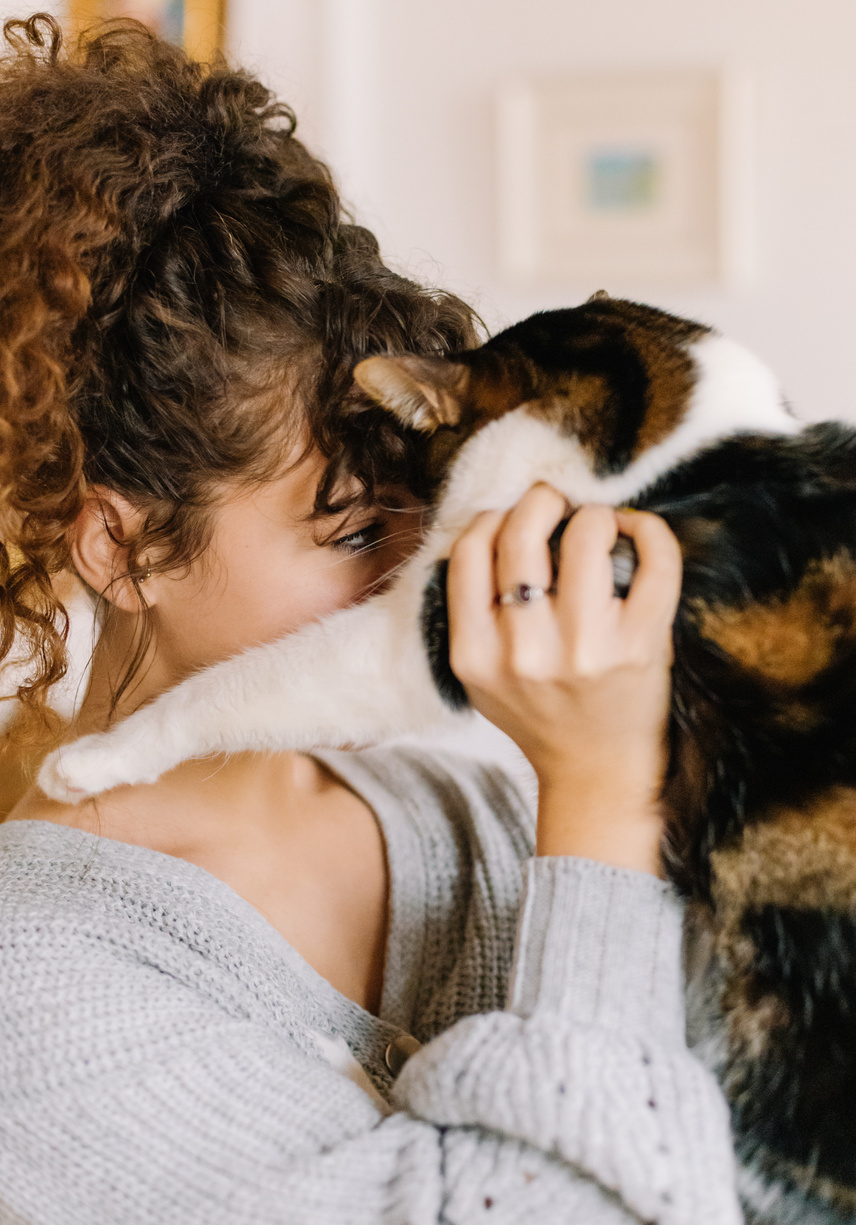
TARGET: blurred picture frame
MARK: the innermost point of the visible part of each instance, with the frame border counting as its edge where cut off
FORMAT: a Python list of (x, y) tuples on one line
[(197, 25), (623, 179)]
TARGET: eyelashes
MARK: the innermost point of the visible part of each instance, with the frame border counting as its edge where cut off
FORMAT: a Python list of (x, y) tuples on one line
[(364, 538), (378, 532)]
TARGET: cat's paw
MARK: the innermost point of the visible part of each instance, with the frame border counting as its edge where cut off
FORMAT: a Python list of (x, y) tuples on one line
[(86, 767)]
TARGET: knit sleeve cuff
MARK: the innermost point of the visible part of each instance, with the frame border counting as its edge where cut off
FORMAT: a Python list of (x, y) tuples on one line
[(602, 945)]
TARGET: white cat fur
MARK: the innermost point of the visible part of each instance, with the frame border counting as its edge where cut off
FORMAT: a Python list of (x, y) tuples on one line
[(361, 676)]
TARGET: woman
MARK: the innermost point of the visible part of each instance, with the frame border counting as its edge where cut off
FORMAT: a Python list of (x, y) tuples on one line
[(182, 305)]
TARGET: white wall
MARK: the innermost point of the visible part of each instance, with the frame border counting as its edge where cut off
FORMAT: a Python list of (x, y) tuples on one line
[(399, 95)]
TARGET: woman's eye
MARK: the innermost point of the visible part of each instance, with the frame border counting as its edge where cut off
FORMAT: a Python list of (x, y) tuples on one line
[(355, 542)]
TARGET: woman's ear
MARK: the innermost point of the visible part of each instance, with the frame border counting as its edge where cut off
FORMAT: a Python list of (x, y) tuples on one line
[(100, 546)]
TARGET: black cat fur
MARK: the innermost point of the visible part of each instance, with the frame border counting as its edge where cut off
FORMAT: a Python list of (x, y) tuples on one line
[(761, 785)]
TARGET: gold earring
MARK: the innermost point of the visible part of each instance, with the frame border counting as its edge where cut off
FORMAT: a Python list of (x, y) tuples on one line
[(141, 578)]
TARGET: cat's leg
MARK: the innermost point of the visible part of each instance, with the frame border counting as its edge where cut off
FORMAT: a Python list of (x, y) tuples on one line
[(358, 677)]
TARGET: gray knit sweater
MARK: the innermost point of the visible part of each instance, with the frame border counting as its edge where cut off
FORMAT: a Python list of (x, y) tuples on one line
[(159, 1062)]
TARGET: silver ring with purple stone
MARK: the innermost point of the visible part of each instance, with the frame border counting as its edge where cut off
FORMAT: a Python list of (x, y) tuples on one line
[(523, 594)]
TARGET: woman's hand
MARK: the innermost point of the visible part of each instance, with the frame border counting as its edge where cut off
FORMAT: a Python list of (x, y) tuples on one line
[(579, 679)]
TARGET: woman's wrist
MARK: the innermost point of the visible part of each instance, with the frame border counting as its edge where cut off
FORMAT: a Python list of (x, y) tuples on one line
[(620, 828)]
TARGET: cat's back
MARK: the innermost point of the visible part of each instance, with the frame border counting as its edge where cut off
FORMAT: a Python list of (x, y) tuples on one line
[(765, 637)]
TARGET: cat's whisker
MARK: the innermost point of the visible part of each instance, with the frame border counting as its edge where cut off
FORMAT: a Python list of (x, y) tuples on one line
[(383, 542), (383, 580)]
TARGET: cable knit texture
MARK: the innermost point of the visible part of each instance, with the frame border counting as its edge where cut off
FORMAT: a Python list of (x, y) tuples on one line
[(159, 1054)]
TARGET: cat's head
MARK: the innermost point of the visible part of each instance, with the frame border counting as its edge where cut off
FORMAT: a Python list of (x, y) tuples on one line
[(617, 376)]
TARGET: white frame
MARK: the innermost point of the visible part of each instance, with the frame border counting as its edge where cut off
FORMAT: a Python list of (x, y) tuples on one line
[(698, 229)]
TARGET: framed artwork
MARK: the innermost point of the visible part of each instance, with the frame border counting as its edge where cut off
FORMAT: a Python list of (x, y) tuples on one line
[(626, 179), (197, 25)]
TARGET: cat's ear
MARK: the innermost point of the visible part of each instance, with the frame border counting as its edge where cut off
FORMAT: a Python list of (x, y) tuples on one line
[(422, 392)]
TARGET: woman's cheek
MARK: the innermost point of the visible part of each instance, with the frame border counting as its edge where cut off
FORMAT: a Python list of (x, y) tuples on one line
[(317, 594)]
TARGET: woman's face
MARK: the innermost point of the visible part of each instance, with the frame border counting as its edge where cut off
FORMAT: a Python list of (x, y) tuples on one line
[(271, 568)]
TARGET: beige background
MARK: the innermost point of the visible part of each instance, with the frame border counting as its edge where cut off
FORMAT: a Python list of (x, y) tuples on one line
[(399, 94)]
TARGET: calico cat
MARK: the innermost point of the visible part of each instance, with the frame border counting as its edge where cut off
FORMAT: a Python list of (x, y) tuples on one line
[(621, 403)]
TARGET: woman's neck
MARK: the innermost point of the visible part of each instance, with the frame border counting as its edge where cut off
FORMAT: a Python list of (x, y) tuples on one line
[(206, 792), (112, 694)]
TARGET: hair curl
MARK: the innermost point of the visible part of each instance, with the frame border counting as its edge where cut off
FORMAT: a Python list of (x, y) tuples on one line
[(171, 259)]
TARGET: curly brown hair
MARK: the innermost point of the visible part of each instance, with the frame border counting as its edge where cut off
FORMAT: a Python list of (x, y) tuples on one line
[(172, 262)]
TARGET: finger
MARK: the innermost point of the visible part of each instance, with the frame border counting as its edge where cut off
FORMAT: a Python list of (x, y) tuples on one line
[(522, 548), (656, 586), (470, 592), (585, 582), (529, 632)]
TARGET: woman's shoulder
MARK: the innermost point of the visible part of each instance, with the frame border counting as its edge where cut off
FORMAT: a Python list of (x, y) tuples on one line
[(50, 862), (101, 916), (66, 888)]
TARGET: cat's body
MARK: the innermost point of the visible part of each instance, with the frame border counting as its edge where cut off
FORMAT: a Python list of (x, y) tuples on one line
[(619, 403)]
